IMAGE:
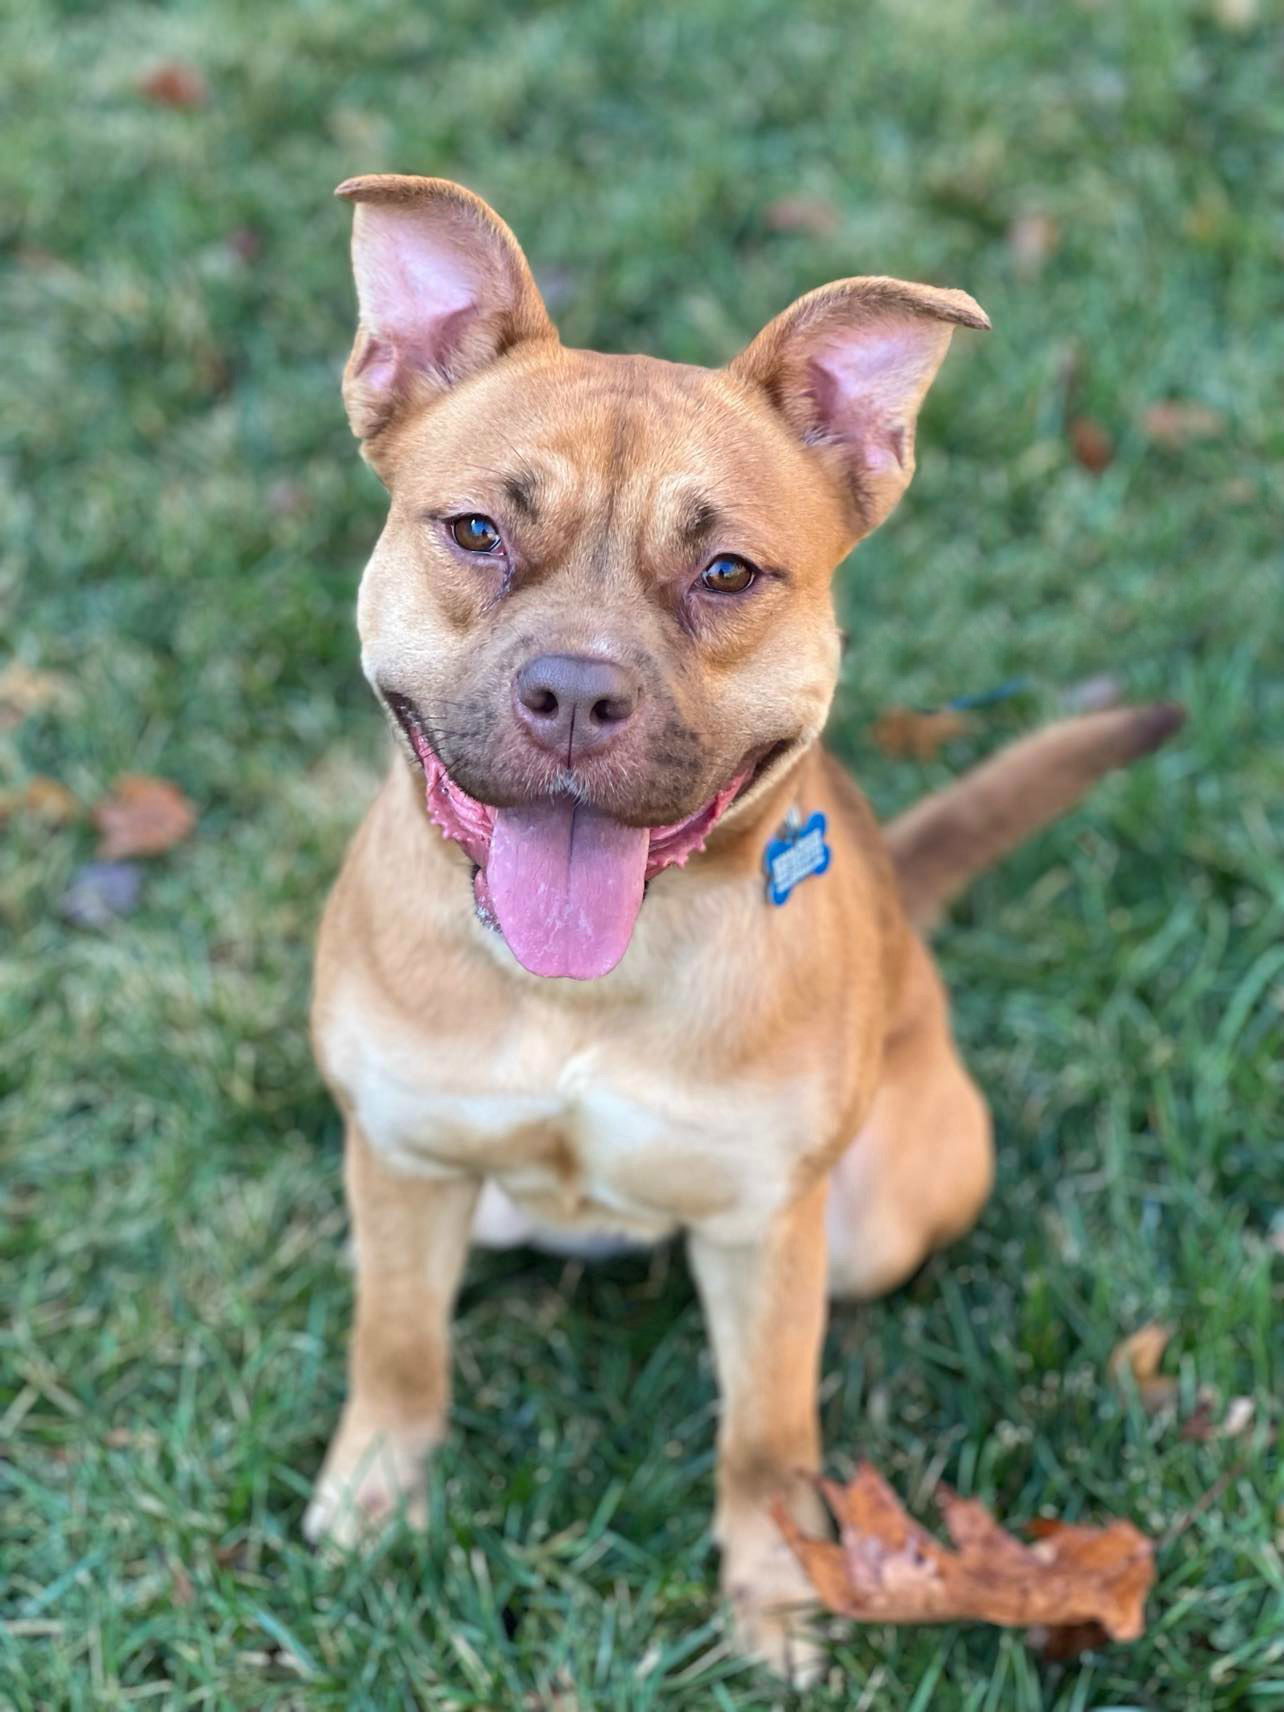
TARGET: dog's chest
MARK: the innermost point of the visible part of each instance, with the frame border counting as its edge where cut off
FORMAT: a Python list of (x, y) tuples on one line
[(595, 1138)]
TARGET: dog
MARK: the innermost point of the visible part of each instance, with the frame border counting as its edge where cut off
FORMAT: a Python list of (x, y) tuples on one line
[(619, 949)]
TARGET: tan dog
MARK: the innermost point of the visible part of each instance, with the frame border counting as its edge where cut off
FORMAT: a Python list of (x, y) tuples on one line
[(600, 619)]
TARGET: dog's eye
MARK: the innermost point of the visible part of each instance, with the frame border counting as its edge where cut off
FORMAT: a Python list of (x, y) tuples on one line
[(476, 534), (727, 575)]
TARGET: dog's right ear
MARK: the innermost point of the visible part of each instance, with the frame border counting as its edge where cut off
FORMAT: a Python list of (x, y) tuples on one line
[(442, 290)]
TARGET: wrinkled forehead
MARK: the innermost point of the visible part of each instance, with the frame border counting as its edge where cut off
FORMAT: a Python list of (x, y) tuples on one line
[(661, 450)]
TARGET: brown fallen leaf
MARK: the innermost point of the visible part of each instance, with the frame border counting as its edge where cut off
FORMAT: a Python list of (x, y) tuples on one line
[(24, 690), (1208, 220), (904, 734), (1200, 1426), (1175, 422), (1137, 1359), (885, 1568), (41, 799), (175, 84), (1091, 444), (142, 816), (811, 214), (45, 799), (1032, 240), (1067, 1641)]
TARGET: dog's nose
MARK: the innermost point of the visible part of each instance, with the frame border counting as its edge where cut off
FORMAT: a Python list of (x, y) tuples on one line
[(571, 704)]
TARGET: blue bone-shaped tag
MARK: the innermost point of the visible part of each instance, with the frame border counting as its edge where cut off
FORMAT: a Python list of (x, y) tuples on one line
[(798, 853)]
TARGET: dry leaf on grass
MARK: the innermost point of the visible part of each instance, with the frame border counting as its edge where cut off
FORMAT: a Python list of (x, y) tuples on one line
[(24, 691), (1175, 423), (175, 84), (811, 214), (1200, 1426), (906, 735), (1137, 1358), (1032, 239), (45, 799), (1068, 1641), (885, 1568), (142, 816), (42, 799), (1091, 444)]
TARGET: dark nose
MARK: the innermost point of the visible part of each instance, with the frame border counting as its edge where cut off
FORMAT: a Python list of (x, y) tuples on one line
[(571, 704)]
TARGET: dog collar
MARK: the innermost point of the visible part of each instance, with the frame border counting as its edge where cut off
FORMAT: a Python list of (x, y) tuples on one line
[(798, 851)]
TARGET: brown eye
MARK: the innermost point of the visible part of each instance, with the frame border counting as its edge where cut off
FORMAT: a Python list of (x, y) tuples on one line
[(476, 534), (727, 575)]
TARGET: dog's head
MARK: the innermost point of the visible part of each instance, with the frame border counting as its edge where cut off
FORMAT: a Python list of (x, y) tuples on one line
[(599, 612)]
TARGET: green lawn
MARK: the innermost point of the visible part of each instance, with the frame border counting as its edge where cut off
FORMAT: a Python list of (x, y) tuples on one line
[(184, 524)]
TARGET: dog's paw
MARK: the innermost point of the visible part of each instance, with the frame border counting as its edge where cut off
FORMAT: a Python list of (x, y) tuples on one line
[(370, 1477), (772, 1606)]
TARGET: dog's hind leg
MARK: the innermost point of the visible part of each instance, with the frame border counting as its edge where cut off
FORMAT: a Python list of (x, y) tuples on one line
[(921, 1168)]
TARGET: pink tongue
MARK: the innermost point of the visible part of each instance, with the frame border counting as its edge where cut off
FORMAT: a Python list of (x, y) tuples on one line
[(565, 884)]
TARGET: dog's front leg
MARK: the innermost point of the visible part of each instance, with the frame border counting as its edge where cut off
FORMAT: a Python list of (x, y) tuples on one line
[(411, 1239), (765, 1306)]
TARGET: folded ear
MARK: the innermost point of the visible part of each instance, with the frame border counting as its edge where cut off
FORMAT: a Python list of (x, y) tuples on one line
[(442, 289), (848, 367)]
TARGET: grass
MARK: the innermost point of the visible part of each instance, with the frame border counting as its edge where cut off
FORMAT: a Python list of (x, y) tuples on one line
[(185, 521)]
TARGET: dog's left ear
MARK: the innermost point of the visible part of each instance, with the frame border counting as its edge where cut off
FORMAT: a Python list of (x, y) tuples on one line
[(443, 289), (848, 367)]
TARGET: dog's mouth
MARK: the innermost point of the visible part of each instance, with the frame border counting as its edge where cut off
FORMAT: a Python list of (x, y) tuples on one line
[(560, 879)]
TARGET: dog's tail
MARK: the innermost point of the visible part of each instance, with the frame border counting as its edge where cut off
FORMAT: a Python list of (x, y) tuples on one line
[(941, 844)]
